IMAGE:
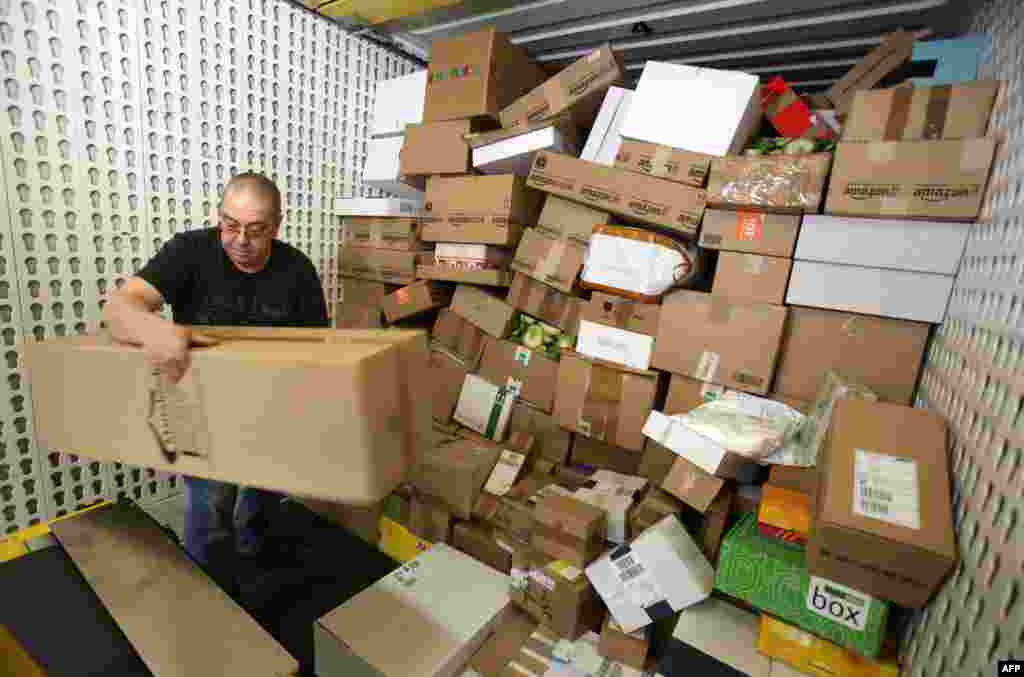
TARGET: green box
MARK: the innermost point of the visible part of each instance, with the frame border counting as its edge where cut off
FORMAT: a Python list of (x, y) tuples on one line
[(773, 576)]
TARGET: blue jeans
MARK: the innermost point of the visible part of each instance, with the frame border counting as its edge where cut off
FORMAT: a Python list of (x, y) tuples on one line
[(215, 511)]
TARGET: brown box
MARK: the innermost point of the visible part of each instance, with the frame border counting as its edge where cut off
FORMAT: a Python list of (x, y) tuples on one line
[(752, 232), (718, 340), (554, 261), (801, 405), (479, 209), (605, 402), (940, 180), (664, 162), (379, 265), (570, 220), (905, 113), (885, 355), (504, 362), (419, 297), (551, 441), (351, 316), (382, 233), (436, 148), (629, 649), (790, 183), (692, 485), (458, 335), (363, 522), (476, 74), (752, 277), (477, 541), (653, 201), (578, 88), (503, 646), (510, 516), (793, 478), (487, 311), (615, 311), (651, 509), (568, 529), (656, 462), (364, 292), (488, 277), (686, 394), (455, 473), (894, 51), (545, 303), (884, 522), (447, 374), (597, 454), (555, 594), (430, 519)]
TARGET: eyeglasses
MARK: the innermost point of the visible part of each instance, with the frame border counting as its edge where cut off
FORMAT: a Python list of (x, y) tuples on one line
[(253, 231)]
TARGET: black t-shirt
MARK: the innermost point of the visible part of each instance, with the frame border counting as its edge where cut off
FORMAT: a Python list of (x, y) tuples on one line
[(195, 276)]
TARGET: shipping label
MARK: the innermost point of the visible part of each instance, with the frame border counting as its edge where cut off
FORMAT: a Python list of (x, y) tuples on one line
[(886, 488)]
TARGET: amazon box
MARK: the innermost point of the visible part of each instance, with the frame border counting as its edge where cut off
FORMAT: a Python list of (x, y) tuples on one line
[(455, 473), (751, 277), (601, 401), (459, 336), (479, 542), (554, 593), (711, 339), (959, 111), (752, 232), (884, 522), (483, 309), (551, 441), (534, 375), (438, 148), (380, 265), (480, 209), (554, 251), (895, 50), (447, 374), (596, 454), (664, 162), (511, 151), (382, 233), (417, 298), (568, 529), (545, 303)]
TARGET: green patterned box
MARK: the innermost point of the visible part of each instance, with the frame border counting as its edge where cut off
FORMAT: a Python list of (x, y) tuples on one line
[(772, 576)]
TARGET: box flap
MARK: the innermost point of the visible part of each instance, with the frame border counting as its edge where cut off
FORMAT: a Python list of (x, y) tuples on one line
[(569, 516)]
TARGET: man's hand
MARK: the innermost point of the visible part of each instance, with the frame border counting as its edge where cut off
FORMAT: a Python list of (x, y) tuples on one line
[(167, 349)]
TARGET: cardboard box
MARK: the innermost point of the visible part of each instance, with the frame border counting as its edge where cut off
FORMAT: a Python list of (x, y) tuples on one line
[(894, 51), (792, 478), (596, 454), (661, 572), (578, 89), (899, 294), (351, 316), (383, 169), (752, 232), (884, 521), (569, 529), (701, 110), (815, 656), (691, 484), (362, 522), (604, 402), (615, 311), (398, 102), (656, 462), (653, 201), (651, 509), (686, 394), (306, 392), (959, 111), (664, 162), (483, 309), (430, 519), (477, 541), (751, 277), (554, 593), (512, 518), (605, 136), (379, 265), (534, 375), (716, 637), (545, 303), (941, 180), (626, 348), (713, 458), (638, 264), (447, 374), (455, 473), (884, 355), (553, 261), (479, 209), (411, 208), (459, 336), (794, 183), (718, 340), (382, 233), (487, 277), (476, 74), (570, 220), (438, 148), (627, 648), (419, 297), (511, 151), (784, 514), (440, 588), (772, 576), (484, 407), (550, 441), (503, 646)]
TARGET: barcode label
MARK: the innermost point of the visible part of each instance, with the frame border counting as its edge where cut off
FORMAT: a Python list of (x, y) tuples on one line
[(875, 508), (625, 562), (630, 573), (880, 494), (886, 488)]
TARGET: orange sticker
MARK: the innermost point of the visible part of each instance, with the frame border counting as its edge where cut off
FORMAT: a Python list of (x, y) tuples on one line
[(749, 226), (402, 295)]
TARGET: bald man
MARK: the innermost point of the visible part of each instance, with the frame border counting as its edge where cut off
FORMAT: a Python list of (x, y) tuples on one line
[(237, 274)]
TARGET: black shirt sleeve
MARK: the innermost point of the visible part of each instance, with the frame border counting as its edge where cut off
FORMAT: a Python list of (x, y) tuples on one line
[(312, 304), (171, 270)]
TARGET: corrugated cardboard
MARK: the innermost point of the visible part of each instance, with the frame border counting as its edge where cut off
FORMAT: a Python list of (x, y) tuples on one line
[(717, 340), (511, 151), (364, 292), (477, 541), (618, 346), (578, 88), (712, 457), (447, 374), (605, 138), (801, 480), (352, 316), (430, 519), (942, 180), (751, 277), (656, 462), (455, 473), (479, 209), (476, 74), (379, 206), (884, 355), (484, 407), (872, 69), (398, 102), (442, 588), (789, 183), (568, 529), (363, 522), (567, 219), (651, 509), (382, 233), (686, 394), (692, 485), (551, 442), (437, 148), (653, 201), (664, 162), (959, 111), (784, 514), (383, 169), (596, 454), (379, 265), (614, 311), (485, 277), (483, 309), (511, 517), (536, 376), (815, 656), (546, 303), (627, 648), (497, 652), (553, 260), (259, 398), (417, 298), (554, 593), (752, 232), (459, 336), (602, 401), (883, 520)]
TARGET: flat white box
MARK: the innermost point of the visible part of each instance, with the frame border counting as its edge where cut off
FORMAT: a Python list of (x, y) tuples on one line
[(703, 452), (922, 246), (382, 169), (378, 206), (515, 155), (605, 138), (612, 344), (398, 102), (726, 633), (901, 294), (426, 619), (484, 407), (701, 110)]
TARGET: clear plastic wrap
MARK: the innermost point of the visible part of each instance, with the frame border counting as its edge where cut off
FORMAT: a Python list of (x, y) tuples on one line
[(784, 182), (744, 424), (637, 264)]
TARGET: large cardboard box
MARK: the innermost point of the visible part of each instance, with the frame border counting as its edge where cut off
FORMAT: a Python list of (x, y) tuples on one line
[(379, 265), (701, 110), (752, 277), (511, 151), (710, 456), (615, 311), (545, 303), (484, 276), (578, 88), (959, 111), (884, 355), (942, 180), (352, 316), (442, 588), (554, 261), (398, 102), (476, 74), (627, 648), (554, 593), (363, 522), (447, 374), (455, 473), (534, 375), (753, 232), (551, 441), (478, 541), (719, 340), (686, 394), (437, 148), (430, 519), (789, 183), (479, 209), (653, 201), (503, 646), (894, 51), (485, 310), (651, 509), (815, 656), (664, 162), (259, 400), (596, 454), (691, 484), (605, 136), (383, 169), (884, 521), (604, 402), (719, 639), (382, 232), (569, 529), (419, 297), (459, 336), (599, 341), (409, 208)]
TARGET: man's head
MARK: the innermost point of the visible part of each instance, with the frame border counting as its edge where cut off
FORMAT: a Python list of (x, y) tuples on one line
[(250, 216)]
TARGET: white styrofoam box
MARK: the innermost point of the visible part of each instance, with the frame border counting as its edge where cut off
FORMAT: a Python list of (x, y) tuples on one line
[(515, 155), (901, 294), (605, 137), (382, 169), (378, 206), (701, 110), (628, 348), (397, 103), (922, 246)]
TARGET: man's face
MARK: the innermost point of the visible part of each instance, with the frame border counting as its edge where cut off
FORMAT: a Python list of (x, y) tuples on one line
[(248, 226)]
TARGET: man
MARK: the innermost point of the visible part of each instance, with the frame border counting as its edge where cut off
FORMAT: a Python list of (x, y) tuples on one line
[(235, 274)]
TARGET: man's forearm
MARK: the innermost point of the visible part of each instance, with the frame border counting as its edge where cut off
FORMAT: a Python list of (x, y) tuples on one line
[(130, 321)]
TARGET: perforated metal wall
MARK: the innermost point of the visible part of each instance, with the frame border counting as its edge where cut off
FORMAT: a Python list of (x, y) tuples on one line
[(121, 122), (975, 378)]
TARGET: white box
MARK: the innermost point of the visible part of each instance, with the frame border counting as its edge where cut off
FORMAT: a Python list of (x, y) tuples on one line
[(605, 138), (726, 633), (901, 294), (922, 246), (659, 573), (426, 619), (382, 169), (484, 407), (515, 155), (701, 110), (378, 206), (397, 103), (703, 452), (612, 344)]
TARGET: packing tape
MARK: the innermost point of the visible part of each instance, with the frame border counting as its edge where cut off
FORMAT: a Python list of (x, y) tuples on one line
[(555, 95), (936, 111), (899, 113), (659, 162), (753, 263), (547, 268)]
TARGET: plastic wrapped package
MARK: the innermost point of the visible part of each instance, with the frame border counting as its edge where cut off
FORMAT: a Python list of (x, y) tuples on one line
[(779, 182), (637, 264), (747, 425), (471, 256)]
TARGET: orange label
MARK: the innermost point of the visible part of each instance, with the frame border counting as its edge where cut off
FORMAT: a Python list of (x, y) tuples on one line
[(402, 295), (749, 226)]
